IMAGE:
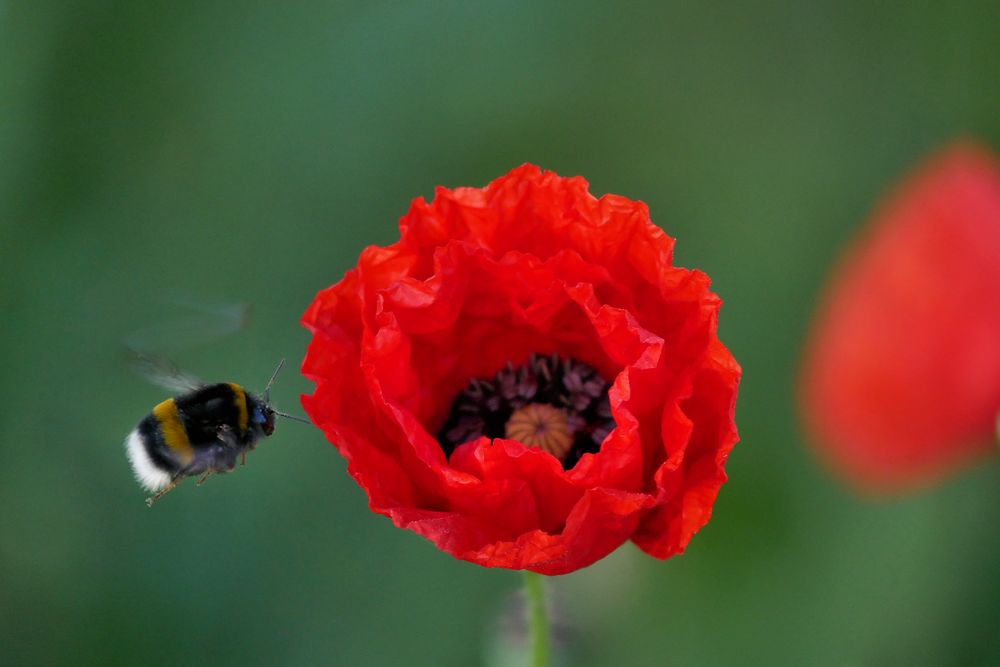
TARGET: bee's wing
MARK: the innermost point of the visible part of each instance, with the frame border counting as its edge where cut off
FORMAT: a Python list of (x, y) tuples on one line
[(163, 372), (198, 324)]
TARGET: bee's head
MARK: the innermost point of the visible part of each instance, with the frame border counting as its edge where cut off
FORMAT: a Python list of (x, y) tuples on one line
[(262, 418), (263, 414)]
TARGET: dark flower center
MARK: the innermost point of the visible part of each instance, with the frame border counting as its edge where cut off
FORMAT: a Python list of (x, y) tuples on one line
[(558, 405)]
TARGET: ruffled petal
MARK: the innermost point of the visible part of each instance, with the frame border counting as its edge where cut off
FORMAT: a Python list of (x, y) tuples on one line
[(530, 264)]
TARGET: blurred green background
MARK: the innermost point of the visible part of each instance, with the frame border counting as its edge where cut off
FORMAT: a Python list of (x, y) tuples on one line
[(247, 152)]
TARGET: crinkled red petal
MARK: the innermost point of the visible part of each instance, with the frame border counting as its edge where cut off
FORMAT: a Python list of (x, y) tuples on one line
[(481, 277)]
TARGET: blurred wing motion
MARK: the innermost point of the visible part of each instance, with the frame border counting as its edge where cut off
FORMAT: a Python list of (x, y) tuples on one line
[(164, 373), (200, 324)]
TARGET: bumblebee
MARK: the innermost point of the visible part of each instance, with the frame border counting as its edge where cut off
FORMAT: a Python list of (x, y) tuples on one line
[(202, 431)]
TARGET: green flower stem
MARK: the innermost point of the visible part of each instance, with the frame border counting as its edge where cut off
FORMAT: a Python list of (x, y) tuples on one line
[(538, 618)]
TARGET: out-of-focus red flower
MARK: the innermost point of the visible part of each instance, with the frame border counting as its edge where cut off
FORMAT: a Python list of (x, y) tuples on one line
[(901, 379), (527, 309)]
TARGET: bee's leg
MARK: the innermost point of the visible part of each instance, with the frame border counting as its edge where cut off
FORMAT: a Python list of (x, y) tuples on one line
[(164, 491), (208, 473), (224, 432), (244, 461)]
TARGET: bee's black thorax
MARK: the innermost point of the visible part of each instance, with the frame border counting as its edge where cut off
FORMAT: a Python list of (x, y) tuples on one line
[(203, 411)]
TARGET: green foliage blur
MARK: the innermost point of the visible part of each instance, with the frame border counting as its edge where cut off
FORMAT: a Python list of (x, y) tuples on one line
[(224, 152)]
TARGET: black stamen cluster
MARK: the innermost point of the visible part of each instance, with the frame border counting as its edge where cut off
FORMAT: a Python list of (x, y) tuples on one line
[(485, 406)]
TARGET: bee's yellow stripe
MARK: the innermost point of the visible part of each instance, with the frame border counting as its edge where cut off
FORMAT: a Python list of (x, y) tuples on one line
[(240, 399), (173, 430)]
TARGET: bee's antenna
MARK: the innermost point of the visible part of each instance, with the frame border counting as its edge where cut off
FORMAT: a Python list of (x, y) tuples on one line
[(292, 417), (267, 397), (267, 389)]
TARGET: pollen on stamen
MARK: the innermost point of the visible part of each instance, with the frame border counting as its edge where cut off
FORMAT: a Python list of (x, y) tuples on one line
[(558, 405)]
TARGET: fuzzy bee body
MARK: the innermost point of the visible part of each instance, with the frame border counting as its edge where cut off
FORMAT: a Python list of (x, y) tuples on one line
[(203, 431)]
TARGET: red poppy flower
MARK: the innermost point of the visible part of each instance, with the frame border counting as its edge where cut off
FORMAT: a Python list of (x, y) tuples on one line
[(902, 373), (525, 379)]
